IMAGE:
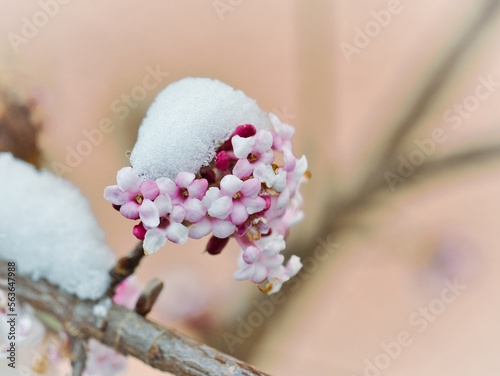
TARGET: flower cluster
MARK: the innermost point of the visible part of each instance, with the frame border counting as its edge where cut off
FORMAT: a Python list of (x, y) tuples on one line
[(244, 193)]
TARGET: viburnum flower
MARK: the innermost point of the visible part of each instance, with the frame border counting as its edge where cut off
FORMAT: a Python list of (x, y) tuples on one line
[(206, 166), (131, 193), (237, 199), (261, 258), (186, 194)]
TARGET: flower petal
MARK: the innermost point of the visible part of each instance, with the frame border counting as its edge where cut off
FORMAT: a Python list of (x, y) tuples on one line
[(254, 205), (259, 274), (177, 233), (178, 213), (128, 180), (154, 240), (274, 247), (149, 214), (280, 181), (244, 273), (267, 157), (284, 198), (242, 146), (164, 204), (239, 213), (265, 174), (283, 129), (263, 141), (195, 210), (183, 179), (149, 189), (222, 228), (167, 186), (221, 208), (290, 160), (230, 185), (251, 187), (293, 266), (200, 229), (115, 195), (197, 188), (242, 169), (251, 255), (130, 210), (300, 167), (273, 262), (211, 196)]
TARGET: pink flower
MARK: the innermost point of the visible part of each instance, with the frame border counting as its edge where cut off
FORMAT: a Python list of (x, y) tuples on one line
[(251, 152), (127, 292), (236, 199), (282, 274), (261, 259), (157, 237), (133, 195), (282, 135), (274, 179), (186, 194), (103, 361), (264, 261)]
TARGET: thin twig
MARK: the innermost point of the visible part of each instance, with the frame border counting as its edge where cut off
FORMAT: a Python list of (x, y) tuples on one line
[(338, 212), (439, 78), (125, 267)]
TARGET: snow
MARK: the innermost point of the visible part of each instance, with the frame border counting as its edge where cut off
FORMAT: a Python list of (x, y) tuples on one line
[(186, 123), (49, 230)]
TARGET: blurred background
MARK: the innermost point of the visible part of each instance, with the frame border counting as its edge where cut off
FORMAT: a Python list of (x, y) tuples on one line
[(397, 107)]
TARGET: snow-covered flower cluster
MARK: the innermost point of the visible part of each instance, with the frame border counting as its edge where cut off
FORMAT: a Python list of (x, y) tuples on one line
[(243, 193)]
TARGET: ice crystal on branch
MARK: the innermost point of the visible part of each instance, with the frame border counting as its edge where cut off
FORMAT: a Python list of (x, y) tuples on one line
[(205, 163)]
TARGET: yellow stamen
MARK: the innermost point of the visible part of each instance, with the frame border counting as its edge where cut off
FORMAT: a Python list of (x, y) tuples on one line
[(185, 192), (139, 198), (266, 289), (252, 157)]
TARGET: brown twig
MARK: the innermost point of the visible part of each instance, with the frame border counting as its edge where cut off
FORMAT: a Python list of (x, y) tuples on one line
[(129, 333), (148, 297), (125, 267)]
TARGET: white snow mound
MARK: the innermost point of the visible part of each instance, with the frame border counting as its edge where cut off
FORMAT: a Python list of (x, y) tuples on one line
[(186, 123), (48, 229)]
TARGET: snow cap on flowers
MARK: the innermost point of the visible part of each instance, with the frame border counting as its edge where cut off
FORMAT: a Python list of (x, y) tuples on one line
[(186, 123), (215, 171), (47, 227)]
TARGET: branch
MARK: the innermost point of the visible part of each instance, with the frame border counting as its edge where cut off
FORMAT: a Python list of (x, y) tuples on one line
[(129, 333)]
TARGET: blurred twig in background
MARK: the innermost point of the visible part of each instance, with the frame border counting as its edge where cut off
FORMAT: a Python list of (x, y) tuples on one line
[(340, 212)]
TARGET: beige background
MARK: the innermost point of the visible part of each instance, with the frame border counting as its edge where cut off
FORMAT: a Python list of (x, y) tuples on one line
[(287, 55)]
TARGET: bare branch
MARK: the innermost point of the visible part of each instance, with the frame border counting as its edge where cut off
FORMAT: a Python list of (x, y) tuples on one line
[(129, 333)]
